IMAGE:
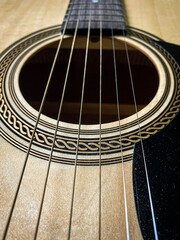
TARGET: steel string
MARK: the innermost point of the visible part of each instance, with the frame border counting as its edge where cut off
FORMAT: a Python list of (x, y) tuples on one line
[(141, 141), (79, 129), (58, 119), (34, 130), (121, 149)]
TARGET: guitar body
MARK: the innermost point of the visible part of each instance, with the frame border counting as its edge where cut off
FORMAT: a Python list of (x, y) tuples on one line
[(115, 174)]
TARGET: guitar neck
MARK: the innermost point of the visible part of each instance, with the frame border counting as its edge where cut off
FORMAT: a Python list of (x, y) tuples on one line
[(154, 18), (103, 14)]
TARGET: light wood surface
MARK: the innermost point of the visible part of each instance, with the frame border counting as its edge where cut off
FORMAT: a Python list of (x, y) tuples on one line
[(157, 17), (56, 209), (19, 18)]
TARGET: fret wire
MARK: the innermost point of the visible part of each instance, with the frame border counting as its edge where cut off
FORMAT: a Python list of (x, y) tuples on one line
[(97, 20), (105, 7), (103, 17), (100, 14), (99, 1), (118, 2), (95, 4), (99, 6), (109, 19)]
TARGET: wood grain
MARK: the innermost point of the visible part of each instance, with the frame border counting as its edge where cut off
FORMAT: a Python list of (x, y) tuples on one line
[(157, 17)]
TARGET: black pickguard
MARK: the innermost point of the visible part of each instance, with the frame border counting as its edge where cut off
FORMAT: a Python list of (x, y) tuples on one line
[(162, 152)]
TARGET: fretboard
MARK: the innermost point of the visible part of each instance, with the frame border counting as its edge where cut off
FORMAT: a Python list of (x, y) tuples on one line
[(105, 14)]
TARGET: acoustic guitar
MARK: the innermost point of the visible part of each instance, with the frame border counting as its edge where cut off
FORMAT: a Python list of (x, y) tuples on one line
[(89, 122)]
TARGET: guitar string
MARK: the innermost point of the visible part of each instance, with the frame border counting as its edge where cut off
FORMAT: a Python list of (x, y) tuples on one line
[(79, 128), (100, 126), (141, 141), (120, 135), (34, 130), (39, 117), (55, 133)]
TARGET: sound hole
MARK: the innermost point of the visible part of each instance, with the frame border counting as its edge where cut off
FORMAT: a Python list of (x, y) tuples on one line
[(35, 72)]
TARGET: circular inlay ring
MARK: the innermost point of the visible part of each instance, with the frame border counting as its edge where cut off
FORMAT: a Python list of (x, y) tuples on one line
[(18, 117)]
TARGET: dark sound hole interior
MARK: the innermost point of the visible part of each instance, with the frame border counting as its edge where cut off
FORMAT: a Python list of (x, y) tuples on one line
[(35, 72)]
